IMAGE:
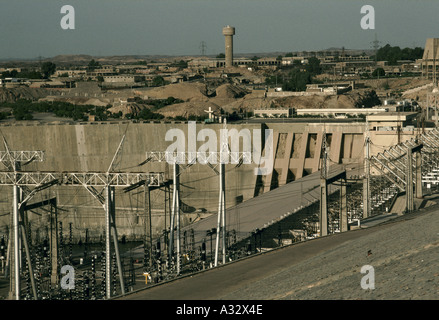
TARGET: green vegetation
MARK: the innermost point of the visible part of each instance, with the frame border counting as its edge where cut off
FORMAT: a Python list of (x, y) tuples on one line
[(368, 100), (93, 64), (313, 66), (158, 81), (23, 109), (24, 74), (378, 72), (190, 118), (145, 114), (180, 64), (47, 69), (160, 103), (157, 103), (3, 115), (393, 54), (296, 76), (221, 56), (20, 112)]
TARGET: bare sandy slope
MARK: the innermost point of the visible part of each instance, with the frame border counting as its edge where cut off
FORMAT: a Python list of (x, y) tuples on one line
[(404, 257)]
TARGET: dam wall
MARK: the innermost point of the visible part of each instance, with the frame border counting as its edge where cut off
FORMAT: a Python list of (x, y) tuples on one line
[(91, 146)]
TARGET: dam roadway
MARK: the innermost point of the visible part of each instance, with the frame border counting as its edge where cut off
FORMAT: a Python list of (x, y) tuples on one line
[(404, 254)]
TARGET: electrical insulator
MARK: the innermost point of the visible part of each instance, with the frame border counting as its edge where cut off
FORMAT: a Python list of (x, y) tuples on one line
[(203, 251), (93, 277), (158, 250), (114, 273), (159, 270), (192, 240), (2, 248), (45, 248), (132, 275), (184, 242), (103, 283), (70, 240)]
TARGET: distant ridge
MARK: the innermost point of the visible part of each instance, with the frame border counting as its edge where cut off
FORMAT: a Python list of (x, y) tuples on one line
[(81, 58)]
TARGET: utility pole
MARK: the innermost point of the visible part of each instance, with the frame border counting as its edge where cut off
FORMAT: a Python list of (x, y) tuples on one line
[(409, 181), (323, 217), (148, 218), (376, 45), (221, 224), (203, 47), (366, 181), (175, 214), (14, 160), (210, 158)]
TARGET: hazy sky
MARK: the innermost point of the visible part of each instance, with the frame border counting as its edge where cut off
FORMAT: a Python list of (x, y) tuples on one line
[(31, 28)]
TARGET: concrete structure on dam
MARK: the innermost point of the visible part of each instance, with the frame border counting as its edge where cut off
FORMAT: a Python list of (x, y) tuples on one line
[(91, 146)]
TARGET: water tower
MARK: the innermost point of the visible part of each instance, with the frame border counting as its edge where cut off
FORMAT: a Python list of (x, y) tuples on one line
[(228, 33)]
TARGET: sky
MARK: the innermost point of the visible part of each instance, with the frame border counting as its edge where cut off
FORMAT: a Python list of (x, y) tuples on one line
[(31, 28)]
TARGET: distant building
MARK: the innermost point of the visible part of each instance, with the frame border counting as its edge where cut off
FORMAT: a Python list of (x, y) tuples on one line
[(273, 113), (10, 69), (340, 112), (237, 62), (286, 61), (123, 78), (70, 73), (429, 62)]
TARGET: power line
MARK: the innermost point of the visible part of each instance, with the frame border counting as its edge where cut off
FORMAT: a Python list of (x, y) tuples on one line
[(203, 47)]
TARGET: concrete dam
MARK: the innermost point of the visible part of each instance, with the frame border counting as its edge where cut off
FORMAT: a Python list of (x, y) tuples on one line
[(92, 146)]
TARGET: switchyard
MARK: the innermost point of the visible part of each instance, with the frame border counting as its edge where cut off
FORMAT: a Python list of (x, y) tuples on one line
[(47, 254)]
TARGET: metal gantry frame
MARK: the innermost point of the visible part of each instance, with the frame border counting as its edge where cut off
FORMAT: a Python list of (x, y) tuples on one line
[(212, 159), (22, 181), (396, 164), (326, 180), (406, 171), (14, 160), (89, 180), (323, 216)]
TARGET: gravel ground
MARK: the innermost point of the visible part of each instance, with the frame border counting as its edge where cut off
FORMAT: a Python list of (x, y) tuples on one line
[(404, 257)]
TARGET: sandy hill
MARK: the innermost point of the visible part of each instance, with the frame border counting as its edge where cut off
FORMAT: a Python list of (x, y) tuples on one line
[(185, 91), (338, 101), (227, 91), (185, 109), (14, 94), (131, 108)]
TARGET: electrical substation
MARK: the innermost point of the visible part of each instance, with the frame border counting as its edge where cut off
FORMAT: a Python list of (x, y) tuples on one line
[(48, 251)]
